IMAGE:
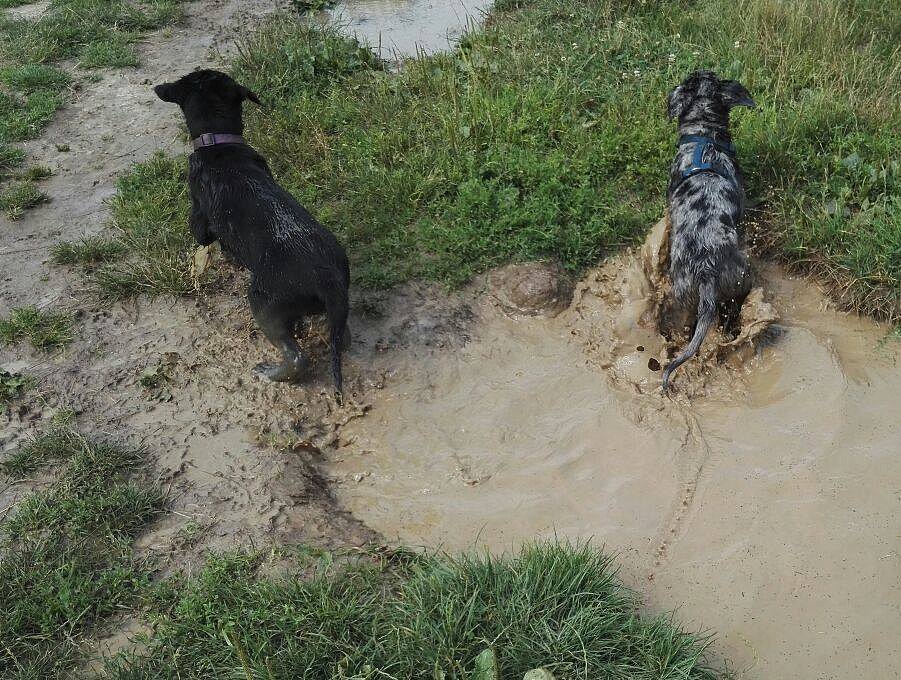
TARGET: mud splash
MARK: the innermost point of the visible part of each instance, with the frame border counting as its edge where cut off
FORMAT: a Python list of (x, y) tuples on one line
[(760, 500)]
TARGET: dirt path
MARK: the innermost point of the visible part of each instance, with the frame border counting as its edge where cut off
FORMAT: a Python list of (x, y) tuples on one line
[(109, 126)]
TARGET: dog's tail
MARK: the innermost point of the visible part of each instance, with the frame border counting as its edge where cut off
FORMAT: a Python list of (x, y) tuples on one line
[(337, 310), (706, 318)]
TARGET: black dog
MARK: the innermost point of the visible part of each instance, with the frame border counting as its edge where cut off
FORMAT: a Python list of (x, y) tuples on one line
[(298, 267), (706, 197)]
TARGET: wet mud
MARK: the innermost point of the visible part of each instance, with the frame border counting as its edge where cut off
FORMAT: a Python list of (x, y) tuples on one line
[(760, 498)]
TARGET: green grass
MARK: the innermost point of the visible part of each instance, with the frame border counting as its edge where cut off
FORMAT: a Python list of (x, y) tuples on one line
[(12, 387), (10, 157), (65, 557), (151, 227), (116, 53), (36, 173), (303, 6), (18, 197), (32, 77), (45, 330), (552, 606), (90, 250), (90, 497), (37, 453), (544, 135), (23, 116)]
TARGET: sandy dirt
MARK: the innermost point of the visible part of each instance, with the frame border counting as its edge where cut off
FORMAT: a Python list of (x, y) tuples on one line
[(761, 498)]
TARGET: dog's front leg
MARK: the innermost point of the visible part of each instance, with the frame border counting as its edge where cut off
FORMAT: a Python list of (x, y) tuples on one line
[(200, 225)]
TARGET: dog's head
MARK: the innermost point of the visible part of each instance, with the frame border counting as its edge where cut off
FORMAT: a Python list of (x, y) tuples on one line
[(703, 97), (211, 101)]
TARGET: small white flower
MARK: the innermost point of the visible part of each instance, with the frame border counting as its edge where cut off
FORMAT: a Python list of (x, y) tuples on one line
[(737, 44), (575, 45), (671, 58), (678, 35), (620, 24), (696, 54), (625, 76), (636, 73)]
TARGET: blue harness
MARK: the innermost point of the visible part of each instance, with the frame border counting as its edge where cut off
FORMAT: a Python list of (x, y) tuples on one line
[(702, 144)]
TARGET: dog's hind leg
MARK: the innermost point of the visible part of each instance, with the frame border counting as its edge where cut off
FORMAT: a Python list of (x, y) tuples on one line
[(278, 325), (339, 336)]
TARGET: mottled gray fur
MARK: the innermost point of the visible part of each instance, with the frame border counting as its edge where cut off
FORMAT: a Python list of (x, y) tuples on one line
[(708, 267)]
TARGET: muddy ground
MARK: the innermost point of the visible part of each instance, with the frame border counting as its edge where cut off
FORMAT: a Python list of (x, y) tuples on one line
[(762, 499)]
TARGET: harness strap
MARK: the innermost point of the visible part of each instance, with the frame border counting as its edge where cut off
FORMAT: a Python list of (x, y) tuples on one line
[(702, 144)]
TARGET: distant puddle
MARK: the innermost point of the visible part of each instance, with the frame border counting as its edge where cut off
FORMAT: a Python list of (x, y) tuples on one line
[(402, 27), (762, 500)]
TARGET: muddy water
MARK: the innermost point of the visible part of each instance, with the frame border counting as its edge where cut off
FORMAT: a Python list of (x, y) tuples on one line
[(403, 27), (762, 500)]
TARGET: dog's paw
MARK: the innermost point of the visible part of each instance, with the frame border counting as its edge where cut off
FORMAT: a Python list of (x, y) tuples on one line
[(281, 372)]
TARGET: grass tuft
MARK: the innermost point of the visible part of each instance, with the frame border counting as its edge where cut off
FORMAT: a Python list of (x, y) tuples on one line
[(91, 496), (90, 250), (12, 387), (45, 330), (57, 443), (150, 211), (32, 77), (114, 53), (17, 198), (553, 606), (10, 157), (23, 116), (36, 173)]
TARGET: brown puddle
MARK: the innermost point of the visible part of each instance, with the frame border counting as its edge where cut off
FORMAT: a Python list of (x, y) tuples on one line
[(402, 28), (761, 500)]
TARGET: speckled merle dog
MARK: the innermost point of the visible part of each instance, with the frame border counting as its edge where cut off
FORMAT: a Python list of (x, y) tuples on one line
[(708, 267), (297, 266)]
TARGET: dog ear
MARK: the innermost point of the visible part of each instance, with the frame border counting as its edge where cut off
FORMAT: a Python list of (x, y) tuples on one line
[(676, 102), (249, 94), (169, 92), (735, 94)]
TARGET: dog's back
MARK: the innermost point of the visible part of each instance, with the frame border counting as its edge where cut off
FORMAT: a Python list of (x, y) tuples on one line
[(708, 268), (705, 211), (262, 225)]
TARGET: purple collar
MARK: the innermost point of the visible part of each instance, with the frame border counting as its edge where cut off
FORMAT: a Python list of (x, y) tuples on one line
[(214, 138)]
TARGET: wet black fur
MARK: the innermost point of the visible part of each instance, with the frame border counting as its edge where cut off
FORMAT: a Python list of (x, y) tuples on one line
[(708, 266), (297, 266)]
